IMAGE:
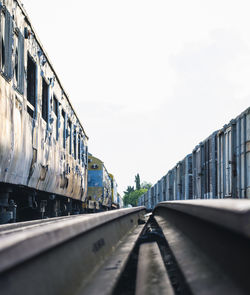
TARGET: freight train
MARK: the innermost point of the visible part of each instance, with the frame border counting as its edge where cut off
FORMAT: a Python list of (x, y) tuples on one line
[(219, 167), (43, 145)]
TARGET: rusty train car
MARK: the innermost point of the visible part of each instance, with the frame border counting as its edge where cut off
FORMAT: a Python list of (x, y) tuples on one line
[(43, 145)]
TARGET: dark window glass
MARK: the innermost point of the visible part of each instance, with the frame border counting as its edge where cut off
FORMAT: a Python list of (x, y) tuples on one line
[(16, 65), (31, 84), (79, 149), (83, 154), (45, 95), (2, 20), (55, 105), (75, 142), (64, 129), (19, 62), (70, 136), (56, 112), (6, 39)]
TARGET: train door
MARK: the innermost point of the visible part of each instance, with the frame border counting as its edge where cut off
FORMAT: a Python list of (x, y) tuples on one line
[(194, 173), (174, 184), (220, 164), (243, 156), (171, 185), (229, 157), (198, 174), (151, 197), (188, 178), (213, 166)]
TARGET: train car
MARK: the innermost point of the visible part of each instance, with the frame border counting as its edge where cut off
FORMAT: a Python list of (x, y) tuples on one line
[(210, 165), (175, 190), (150, 195), (179, 181), (242, 155), (158, 191), (169, 186), (163, 187), (204, 168), (43, 145), (149, 207), (233, 164), (146, 201), (198, 173), (142, 200), (188, 179), (139, 202), (99, 196), (114, 193), (119, 201), (219, 167), (154, 196), (226, 140)]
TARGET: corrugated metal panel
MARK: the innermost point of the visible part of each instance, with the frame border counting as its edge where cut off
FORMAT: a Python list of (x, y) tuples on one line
[(247, 177), (188, 177)]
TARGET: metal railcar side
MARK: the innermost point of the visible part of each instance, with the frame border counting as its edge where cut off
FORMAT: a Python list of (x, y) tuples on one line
[(43, 146), (242, 155)]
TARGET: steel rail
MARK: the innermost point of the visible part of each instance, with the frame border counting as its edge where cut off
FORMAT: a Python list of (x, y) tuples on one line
[(24, 225), (210, 241), (62, 255)]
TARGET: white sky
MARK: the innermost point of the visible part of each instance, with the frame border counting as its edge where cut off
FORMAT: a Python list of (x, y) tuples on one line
[(149, 79)]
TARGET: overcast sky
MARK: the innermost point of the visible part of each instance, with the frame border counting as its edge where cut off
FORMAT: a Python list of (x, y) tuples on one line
[(149, 79)]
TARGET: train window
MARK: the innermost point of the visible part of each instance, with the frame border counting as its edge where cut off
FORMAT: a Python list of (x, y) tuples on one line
[(19, 61), (6, 43), (75, 142), (55, 105), (45, 97), (79, 148), (86, 156), (31, 84), (16, 60), (64, 129), (70, 136), (56, 112), (2, 40), (83, 155)]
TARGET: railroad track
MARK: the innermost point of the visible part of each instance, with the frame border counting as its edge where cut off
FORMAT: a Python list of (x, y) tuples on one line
[(186, 247), (61, 255)]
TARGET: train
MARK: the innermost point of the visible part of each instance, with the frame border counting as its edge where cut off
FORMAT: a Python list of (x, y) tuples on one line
[(43, 145), (102, 191), (218, 167)]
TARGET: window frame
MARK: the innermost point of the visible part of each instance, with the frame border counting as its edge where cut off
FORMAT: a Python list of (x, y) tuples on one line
[(6, 70), (45, 100), (19, 48), (32, 108)]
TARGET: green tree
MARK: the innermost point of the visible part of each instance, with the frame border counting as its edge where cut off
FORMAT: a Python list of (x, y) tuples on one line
[(132, 198), (132, 195), (129, 190), (137, 182)]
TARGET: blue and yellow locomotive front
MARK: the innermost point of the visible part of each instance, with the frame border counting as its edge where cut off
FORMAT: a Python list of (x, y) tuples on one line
[(99, 195)]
